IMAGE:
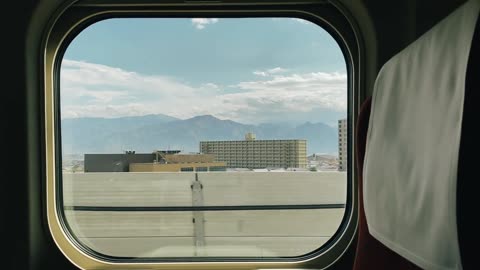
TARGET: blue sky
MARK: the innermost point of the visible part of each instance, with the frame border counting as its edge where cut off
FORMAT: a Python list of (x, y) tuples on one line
[(248, 70)]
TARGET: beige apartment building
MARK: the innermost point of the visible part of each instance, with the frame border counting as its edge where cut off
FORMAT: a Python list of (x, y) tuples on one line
[(342, 145), (256, 154)]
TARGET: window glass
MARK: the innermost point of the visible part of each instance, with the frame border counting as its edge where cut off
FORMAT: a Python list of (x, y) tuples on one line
[(203, 137)]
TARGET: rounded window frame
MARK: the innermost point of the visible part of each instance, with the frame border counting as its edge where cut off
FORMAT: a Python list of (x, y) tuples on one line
[(74, 18)]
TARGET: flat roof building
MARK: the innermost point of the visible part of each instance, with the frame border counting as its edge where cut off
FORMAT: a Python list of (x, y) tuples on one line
[(256, 154), (178, 167), (158, 161), (114, 162), (180, 163)]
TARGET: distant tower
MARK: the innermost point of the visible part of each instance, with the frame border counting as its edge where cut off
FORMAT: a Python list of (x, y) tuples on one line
[(250, 136), (342, 144)]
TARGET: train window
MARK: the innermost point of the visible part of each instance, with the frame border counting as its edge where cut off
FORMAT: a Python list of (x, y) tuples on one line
[(201, 139)]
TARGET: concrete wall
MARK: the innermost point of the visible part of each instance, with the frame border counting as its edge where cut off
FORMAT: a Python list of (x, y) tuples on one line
[(224, 233)]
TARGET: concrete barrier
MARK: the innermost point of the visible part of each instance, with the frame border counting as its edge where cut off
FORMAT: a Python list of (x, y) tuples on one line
[(185, 232)]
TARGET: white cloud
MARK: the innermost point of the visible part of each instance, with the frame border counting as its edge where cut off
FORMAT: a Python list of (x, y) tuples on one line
[(209, 86), (302, 21), (200, 23), (260, 73), (270, 72), (296, 93), (93, 90), (277, 70), (309, 81)]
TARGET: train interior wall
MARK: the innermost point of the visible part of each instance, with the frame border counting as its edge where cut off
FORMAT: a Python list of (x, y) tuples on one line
[(386, 28)]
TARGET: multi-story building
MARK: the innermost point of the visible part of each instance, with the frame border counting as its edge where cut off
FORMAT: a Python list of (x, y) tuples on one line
[(255, 154), (342, 145)]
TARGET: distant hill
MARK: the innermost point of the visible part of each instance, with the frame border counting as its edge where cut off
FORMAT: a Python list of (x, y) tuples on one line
[(150, 132)]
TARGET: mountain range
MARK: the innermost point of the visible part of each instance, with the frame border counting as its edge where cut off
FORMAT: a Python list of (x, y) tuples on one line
[(147, 133)]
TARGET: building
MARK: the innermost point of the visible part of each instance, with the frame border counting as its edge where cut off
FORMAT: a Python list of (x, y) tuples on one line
[(158, 161), (180, 163), (342, 145), (256, 154), (114, 162)]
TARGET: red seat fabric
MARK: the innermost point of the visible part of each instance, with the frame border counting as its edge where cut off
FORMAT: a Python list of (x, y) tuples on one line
[(371, 254)]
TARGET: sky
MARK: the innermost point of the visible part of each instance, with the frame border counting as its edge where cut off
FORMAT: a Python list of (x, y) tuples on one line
[(249, 70)]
